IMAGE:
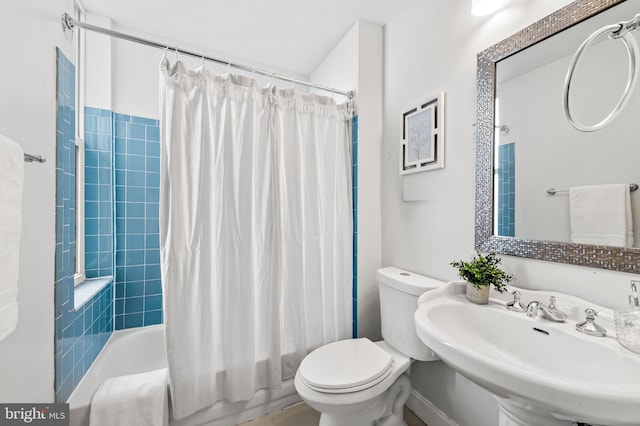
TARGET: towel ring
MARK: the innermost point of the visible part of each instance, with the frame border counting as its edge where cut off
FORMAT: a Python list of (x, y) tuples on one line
[(632, 76)]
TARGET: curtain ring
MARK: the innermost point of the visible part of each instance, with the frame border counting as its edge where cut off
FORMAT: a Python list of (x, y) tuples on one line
[(176, 50), (632, 76)]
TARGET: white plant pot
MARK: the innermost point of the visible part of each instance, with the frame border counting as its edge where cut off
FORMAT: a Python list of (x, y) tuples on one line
[(478, 296)]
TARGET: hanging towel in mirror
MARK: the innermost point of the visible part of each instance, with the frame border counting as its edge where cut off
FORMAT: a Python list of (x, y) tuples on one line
[(601, 215), (11, 175)]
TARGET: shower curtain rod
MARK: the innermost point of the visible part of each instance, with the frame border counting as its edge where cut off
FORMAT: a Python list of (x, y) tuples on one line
[(68, 23)]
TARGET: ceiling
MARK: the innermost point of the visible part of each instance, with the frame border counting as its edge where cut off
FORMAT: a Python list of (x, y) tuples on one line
[(283, 35)]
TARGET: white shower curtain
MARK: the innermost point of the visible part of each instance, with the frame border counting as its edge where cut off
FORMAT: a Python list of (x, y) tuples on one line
[(256, 233)]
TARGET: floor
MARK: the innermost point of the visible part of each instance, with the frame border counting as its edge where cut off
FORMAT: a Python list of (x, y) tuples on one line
[(303, 415)]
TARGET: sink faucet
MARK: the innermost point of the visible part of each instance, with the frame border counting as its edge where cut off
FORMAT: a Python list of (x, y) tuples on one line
[(551, 312)]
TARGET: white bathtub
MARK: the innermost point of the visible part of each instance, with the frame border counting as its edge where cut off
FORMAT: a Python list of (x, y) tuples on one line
[(142, 349)]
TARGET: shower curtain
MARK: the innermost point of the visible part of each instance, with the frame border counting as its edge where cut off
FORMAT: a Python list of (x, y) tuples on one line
[(256, 233)]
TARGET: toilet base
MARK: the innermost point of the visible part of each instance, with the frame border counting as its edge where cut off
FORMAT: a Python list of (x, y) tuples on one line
[(385, 410), (398, 396)]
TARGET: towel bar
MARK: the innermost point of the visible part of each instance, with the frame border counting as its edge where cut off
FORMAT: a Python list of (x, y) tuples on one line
[(28, 158), (552, 191)]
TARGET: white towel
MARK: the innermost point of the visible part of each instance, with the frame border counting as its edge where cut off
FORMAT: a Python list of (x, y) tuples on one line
[(11, 176), (601, 215), (136, 399)]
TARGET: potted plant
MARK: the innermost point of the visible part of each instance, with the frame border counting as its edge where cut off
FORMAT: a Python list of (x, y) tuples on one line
[(480, 273)]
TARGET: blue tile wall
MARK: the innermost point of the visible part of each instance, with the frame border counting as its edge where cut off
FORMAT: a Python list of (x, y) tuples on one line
[(354, 136), (98, 192), (79, 335), (506, 190), (138, 295)]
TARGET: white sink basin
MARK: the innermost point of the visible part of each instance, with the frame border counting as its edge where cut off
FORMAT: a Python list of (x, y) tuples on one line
[(540, 372)]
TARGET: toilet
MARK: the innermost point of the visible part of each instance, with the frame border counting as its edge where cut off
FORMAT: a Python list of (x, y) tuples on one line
[(357, 382)]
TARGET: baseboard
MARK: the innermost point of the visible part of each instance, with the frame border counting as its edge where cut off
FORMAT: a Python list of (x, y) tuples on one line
[(427, 412)]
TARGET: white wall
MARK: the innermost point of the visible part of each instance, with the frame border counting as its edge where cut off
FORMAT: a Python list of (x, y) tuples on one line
[(369, 178), (31, 31), (432, 46), (135, 79), (339, 69), (98, 63), (355, 63), (135, 75)]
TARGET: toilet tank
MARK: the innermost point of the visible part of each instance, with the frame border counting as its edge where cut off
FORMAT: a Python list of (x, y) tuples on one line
[(399, 291)]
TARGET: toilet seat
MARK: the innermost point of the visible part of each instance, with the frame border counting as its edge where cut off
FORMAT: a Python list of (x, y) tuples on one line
[(346, 366)]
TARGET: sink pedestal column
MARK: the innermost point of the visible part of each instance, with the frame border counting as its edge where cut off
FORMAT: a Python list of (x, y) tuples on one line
[(515, 415)]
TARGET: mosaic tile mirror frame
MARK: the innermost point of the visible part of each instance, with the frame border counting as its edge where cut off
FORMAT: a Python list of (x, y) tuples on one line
[(604, 257)]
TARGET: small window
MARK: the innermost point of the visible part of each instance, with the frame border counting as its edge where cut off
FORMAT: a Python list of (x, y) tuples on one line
[(79, 275), (79, 46)]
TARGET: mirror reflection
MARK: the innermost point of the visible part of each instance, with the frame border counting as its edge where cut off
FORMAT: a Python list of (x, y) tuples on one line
[(539, 157)]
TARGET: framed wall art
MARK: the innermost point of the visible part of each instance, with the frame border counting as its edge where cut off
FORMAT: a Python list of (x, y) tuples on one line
[(422, 146)]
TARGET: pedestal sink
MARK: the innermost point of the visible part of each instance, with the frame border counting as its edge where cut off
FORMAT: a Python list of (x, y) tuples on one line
[(541, 373)]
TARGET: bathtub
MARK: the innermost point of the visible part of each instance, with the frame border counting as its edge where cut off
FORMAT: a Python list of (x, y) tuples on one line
[(137, 350)]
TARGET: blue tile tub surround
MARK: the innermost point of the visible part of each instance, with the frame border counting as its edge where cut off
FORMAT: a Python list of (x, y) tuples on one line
[(354, 174), (138, 293), (506, 190), (79, 335), (98, 192)]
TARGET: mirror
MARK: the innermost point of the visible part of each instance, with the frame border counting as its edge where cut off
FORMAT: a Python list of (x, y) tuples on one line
[(539, 158), (520, 123)]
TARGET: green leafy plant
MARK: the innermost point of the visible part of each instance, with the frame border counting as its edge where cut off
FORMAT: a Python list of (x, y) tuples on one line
[(482, 271)]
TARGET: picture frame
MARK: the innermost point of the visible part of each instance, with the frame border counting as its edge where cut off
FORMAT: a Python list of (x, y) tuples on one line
[(422, 146)]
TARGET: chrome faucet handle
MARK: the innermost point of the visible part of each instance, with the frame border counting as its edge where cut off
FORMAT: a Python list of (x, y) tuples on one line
[(515, 305), (554, 309), (589, 327)]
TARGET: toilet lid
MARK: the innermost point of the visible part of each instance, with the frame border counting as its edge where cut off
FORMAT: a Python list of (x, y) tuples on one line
[(345, 366)]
